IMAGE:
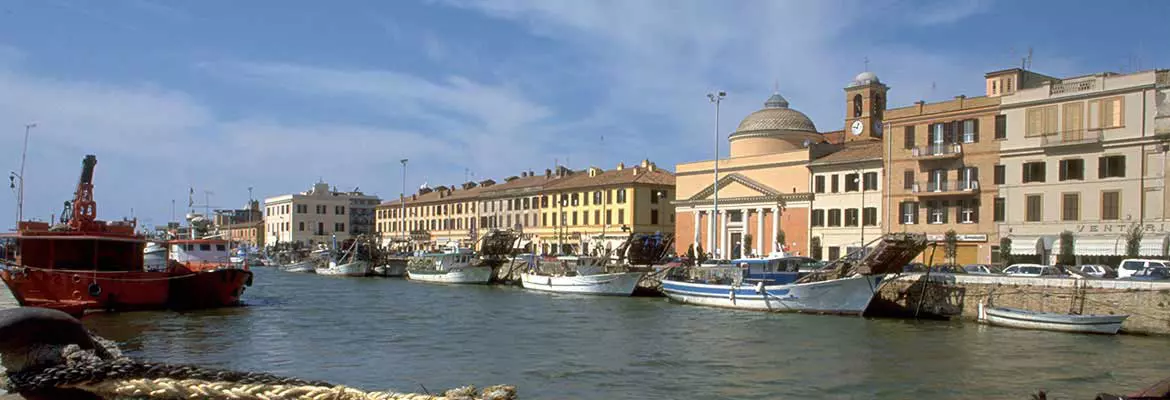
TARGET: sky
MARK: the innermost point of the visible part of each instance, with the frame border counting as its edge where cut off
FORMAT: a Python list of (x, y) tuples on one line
[(221, 96)]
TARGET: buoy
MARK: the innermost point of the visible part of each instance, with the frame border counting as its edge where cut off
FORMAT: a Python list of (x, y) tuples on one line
[(95, 290)]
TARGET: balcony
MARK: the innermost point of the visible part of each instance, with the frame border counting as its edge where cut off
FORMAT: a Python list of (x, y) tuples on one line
[(937, 151), (1071, 138), (945, 188)]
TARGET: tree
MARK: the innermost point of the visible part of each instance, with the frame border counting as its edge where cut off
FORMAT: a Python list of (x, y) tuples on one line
[(691, 252), (747, 243), (951, 241), (780, 239), (815, 247), (1133, 241), (1066, 256), (1005, 251)]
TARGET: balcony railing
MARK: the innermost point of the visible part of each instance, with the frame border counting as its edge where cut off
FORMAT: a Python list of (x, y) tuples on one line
[(937, 151), (938, 188), (1072, 138)]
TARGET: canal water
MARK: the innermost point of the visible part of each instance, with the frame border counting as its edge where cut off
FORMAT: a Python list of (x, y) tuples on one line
[(376, 333)]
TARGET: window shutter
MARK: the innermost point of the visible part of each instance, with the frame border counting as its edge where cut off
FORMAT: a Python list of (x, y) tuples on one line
[(914, 207), (974, 173), (1121, 166), (944, 205), (1101, 162), (908, 138), (975, 210), (959, 204), (975, 122), (948, 132)]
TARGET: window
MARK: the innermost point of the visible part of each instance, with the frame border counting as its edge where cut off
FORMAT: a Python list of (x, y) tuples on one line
[(1033, 209), (1009, 85), (819, 183), (1033, 172), (969, 178), (576, 199), (1070, 207), (1001, 127), (908, 132), (1000, 174), (994, 87), (1111, 167), (834, 217), (834, 252), (544, 219), (936, 212), (856, 106), (870, 181), (869, 216), (968, 211), (908, 179), (1041, 121), (851, 182), (653, 217), (851, 217), (909, 212), (834, 185), (1106, 113), (204, 247), (301, 226), (1000, 209), (621, 216), (574, 218), (1072, 169), (818, 218), (597, 217), (937, 180), (597, 197), (544, 201), (608, 217), (1110, 205), (320, 228), (621, 196), (970, 130), (654, 194)]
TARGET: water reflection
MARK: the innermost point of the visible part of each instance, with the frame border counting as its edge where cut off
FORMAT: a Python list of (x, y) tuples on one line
[(389, 333)]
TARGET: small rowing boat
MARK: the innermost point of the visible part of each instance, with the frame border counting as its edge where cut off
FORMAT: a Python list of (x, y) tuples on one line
[(1050, 321)]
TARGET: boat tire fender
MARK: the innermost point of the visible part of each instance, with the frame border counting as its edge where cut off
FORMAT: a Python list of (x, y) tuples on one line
[(76, 278), (760, 288), (248, 282), (95, 289)]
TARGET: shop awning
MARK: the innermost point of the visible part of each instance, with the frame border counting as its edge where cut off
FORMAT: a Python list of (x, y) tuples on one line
[(1153, 245), (1094, 246), (1032, 244)]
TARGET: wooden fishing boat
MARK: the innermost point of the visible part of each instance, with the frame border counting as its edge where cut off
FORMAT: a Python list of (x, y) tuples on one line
[(84, 264), (580, 275), (1050, 321), (454, 266)]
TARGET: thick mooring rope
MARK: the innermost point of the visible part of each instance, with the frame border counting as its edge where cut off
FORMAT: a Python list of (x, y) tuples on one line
[(166, 388)]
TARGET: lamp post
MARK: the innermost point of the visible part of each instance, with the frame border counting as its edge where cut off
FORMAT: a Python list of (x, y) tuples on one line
[(402, 199), (861, 212), (20, 190), (716, 98)]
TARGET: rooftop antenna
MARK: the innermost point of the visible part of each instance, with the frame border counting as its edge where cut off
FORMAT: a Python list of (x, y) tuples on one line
[(866, 60), (1028, 64)]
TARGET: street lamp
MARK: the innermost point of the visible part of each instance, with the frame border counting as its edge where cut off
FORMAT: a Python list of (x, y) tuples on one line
[(402, 198), (20, 190), (861, 212), (716, 98)]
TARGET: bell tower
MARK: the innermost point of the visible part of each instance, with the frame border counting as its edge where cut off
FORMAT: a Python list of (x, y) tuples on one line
[(865, 106)]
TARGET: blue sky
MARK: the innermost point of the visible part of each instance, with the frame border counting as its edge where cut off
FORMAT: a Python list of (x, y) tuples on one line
[(221, 95)]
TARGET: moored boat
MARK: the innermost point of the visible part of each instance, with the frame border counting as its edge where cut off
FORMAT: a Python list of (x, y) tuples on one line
[(454, 266), (580, 275), (304, 266), (395, 267), (1051, 321), (354, 268), (84, 264)]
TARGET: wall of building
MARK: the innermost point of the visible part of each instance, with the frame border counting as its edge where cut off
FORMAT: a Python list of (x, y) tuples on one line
[(845, 237)]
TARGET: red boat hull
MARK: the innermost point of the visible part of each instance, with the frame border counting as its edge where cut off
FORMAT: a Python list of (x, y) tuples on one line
[(77, 292)]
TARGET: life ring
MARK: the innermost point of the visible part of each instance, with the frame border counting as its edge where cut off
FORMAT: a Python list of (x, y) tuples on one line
[(95, 290), (76, 278)]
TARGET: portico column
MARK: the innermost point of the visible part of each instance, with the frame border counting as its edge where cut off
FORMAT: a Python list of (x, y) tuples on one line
[(710, 247), (776, 229), (760, 231), (722, 234), (743, 249), (695, 241)]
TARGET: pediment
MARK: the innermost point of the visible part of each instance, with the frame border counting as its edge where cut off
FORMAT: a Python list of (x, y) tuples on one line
[(735, 186)]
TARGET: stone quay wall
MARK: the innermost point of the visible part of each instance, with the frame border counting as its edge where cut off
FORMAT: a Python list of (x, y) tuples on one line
[(957, 295)]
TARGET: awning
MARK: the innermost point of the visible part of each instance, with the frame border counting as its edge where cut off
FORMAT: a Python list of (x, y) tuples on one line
[(1032, 244), (1094, 246), (1153, 245)]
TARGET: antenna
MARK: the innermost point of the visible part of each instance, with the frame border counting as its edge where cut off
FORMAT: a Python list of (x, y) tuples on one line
[(1029, 59), (866, 63)]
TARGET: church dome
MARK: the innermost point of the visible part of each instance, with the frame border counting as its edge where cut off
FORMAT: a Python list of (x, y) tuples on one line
[(774, 128), (865, 78)]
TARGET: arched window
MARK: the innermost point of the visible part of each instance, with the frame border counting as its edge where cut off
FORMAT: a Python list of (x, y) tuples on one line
[(857, 105), (877, 106)]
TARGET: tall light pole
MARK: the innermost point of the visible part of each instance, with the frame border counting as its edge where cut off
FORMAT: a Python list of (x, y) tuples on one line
[(402, 198), (861, 212), (20, 191), (716, 98)]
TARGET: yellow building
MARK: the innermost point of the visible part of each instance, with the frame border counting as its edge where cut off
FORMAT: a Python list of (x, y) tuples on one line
[(586, 211), (433, 217)]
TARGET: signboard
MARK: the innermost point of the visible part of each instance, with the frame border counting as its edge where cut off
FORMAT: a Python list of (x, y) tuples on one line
[(1118, 228), (420, 236), (962, 237)]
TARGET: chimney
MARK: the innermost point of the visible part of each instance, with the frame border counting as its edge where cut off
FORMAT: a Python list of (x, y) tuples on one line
[(645, 163), (621, 166), (486, 182), (547, 172), (919, 104), (652, 167), (594, 171), (636, 169), (511, 178)]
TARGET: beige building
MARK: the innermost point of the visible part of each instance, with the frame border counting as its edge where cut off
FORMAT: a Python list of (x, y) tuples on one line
[(586, 212), (1085, 154), (432, 218), (251, 233), (310, 217), (847, 204)]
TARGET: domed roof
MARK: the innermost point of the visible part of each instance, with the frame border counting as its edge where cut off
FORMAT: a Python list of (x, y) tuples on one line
[(776, 116), (865, 78)]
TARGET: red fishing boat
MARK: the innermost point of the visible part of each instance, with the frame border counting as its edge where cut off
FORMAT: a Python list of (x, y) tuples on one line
[(83, 264)]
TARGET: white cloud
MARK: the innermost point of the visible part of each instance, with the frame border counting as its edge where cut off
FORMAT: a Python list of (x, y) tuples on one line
[(946, 12)]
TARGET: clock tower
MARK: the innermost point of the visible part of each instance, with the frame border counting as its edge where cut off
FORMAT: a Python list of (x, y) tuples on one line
[(865, 105)]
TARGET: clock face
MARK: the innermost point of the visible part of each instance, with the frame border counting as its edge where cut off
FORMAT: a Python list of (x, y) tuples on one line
[(857, 127)]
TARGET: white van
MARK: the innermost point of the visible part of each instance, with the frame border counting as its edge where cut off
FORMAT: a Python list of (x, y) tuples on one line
[(1131, 266)]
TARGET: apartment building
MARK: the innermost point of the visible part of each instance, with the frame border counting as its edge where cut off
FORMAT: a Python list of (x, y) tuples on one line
[(1087, 155), (938, 156), (516, 204), (311, 217), (595, 210), (847, 200), (432, 218), (250, 233)]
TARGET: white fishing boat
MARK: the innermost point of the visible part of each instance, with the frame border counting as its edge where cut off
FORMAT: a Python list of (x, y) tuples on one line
[(454, 266), (580, 275), (154, 257), (391, 269), (849, 295), (304, 266), (353, 268), (1050, 321)]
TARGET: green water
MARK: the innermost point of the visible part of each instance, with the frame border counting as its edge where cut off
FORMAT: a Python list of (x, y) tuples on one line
[(378, 333)]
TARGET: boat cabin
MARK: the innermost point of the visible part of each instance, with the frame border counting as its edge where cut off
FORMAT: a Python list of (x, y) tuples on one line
[(114, 247), (200, 251)]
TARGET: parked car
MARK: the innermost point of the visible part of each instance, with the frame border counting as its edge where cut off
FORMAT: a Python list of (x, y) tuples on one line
[(948, 269), (1131, 266), (914, 267), (1150, 274), (1095, 270), (1032, 270), (981, 269)]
